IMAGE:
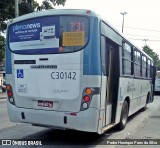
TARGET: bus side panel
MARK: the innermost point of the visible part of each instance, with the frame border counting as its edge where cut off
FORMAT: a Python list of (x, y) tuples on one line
[(124, 92), (92, 66), (145, 89), (91, 59), (103, 102), (136, 90)]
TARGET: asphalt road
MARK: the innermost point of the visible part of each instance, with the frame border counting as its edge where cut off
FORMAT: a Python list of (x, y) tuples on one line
[(135, 129)]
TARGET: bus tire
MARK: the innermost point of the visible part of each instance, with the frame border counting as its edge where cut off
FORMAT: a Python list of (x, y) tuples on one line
[(147, 100), (124, 116)]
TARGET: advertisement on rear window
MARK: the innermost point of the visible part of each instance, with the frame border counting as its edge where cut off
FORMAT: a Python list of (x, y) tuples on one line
[(49, 34), (40, 33)]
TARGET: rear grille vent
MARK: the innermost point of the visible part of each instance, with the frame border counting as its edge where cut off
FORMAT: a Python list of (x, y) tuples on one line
[(24, 61)]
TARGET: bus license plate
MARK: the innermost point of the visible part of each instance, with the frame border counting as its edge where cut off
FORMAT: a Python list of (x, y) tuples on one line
[(45, 103)]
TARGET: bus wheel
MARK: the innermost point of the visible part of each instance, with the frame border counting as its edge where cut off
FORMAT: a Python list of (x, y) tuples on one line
[(147, 100), (124, 116)]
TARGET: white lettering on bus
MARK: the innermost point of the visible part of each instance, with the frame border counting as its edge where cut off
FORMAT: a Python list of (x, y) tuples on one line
[(27, 26)]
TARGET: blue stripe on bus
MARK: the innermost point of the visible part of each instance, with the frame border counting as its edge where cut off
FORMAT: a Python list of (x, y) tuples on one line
[(91, 58), (8, 60), (38, 51)]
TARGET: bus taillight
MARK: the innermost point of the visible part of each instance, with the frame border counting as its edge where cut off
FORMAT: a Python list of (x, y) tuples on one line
[(85, 105), (88, 91), (86, 98), (10, 94), (8, 87)]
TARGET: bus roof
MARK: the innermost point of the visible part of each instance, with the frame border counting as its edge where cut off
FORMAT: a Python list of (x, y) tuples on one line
[(72, 12), (126, 39), (55, 12)]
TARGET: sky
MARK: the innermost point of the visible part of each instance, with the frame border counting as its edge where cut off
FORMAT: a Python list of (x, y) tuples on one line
[(142, 21)]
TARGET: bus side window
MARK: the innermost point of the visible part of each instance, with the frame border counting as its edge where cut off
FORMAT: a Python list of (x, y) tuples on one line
[(127, 59), (137, 63), (144, 65), (148, 68)]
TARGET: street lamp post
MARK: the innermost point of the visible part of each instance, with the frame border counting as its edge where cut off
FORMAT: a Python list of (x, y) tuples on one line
[(16, 8), (145, 40), (123, 13)]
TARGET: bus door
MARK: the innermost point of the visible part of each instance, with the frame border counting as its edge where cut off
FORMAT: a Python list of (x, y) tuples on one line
[(112, 69)]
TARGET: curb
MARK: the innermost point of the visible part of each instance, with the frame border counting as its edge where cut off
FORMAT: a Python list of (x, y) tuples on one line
[(3, 95), (3, 98)]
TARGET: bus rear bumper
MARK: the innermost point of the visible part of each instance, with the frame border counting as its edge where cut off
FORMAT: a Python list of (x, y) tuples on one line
[(82, 121)]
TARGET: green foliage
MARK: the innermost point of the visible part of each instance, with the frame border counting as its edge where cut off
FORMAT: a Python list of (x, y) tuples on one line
[(7, 12), (27, 6), (2, 48), (58, 2), (153, 55), (7, 8), (45, 5), (48, 4)]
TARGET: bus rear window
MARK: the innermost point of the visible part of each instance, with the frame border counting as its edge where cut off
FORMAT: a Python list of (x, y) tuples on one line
[(49, 34)]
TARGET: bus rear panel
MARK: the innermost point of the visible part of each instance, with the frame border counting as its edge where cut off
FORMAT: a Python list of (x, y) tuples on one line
[(47, 72)]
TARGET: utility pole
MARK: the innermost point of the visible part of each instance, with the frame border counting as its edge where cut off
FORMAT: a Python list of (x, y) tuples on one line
[(16, 8), (123, 13), (145, 40)]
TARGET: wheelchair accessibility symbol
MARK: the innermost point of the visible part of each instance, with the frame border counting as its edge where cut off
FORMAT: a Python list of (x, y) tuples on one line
[(20, 73)]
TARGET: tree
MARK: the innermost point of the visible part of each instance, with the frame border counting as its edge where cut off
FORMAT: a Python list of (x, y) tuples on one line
[(27, 6), (47, 4), (2, 49), (153, 55), (7, 8), (7, 12)]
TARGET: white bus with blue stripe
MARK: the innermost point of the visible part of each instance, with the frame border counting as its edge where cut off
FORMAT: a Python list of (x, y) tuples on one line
[(70, 69)]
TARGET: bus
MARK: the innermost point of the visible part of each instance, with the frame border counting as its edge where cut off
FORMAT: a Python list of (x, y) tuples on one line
[(157, 83), (70, 69), (158, 74)]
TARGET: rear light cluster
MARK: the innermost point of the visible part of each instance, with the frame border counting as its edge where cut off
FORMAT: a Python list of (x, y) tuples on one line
[(10, 94), (86, 98)]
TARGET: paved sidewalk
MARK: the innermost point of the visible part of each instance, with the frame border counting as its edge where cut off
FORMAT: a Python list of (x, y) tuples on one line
[(3, 95)]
